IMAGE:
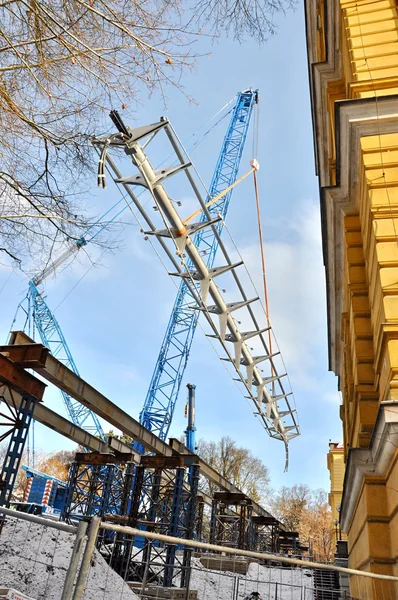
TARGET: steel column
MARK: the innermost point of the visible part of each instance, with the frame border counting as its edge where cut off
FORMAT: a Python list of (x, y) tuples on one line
[(18, 437), (190, 518), (174, 526)]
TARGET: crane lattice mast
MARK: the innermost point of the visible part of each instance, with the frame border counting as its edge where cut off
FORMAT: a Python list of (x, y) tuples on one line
[(39, 316), (161, 398)]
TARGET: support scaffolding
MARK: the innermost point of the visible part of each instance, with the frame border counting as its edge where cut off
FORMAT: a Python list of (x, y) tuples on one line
[(163, 500), (19, 393), (230, 523), (96, 486), (265, 534), (17, 425), (158, 495), (289, 542)]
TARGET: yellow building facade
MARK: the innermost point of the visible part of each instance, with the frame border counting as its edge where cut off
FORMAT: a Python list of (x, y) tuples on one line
[(353, 67), (336, 466)]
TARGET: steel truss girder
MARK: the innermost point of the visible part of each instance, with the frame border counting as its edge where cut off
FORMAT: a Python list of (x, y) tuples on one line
[(196, 264), (158, 409)]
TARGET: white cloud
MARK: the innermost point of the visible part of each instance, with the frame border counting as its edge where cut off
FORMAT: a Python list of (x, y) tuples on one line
[(333, 398), (296, 287)]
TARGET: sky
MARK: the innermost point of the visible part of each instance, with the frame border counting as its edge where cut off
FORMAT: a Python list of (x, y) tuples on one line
[(114, 315)]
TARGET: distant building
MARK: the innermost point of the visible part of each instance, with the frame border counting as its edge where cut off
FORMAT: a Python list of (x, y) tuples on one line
[(44, 489), (353, 69), (335, 462)]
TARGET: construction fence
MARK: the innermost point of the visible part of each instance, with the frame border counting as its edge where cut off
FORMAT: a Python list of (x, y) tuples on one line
[(46, 559)]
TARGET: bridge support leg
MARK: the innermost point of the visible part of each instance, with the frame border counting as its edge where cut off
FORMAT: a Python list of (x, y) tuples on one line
[(190, 524), (174, 526), (18, 423)]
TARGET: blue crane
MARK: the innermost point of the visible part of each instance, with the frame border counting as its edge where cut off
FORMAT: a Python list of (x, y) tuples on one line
[(161, 398), (39, 315)]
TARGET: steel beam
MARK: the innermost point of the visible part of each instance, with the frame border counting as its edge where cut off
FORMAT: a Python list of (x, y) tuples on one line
[(24, 354), (58, 374), (68, 381), (60, 425), (19, 380), (100, 458)]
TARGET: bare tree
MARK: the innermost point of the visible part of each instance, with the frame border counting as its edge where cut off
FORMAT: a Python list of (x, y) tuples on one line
[(56, 464), (290, 503), (308, 512), (63, 65), (243, 17), (238, 465)]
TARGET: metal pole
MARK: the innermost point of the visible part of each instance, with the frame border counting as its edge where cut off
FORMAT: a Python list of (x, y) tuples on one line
[(262, 556), (38, 520), (175, 517), (88, 552), (74, 561), (190, 430)]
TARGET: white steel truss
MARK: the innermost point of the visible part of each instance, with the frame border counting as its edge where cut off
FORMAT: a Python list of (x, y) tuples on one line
[(269, 393)]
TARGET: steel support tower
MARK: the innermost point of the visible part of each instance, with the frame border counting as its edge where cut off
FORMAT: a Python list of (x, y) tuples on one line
[(161, 398)]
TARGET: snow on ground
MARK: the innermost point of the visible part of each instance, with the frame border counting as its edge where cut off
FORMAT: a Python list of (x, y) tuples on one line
[(269, 582), (34, 560)]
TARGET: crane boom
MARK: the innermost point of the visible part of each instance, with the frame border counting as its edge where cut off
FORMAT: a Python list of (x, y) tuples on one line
[(158, 409), (52, 337)]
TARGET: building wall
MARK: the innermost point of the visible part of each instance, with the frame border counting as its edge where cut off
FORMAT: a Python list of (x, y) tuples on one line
[(335, 462), (353, 65)]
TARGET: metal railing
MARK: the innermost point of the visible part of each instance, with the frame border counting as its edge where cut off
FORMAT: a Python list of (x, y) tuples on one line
[(50, 560)]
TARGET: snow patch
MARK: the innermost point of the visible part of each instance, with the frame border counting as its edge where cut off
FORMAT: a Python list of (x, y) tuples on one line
[(260, 582), (34, 559)]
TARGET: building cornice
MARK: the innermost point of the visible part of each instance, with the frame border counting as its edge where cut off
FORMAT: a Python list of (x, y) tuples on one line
[(321, 73), (374, 460), (354, 120)]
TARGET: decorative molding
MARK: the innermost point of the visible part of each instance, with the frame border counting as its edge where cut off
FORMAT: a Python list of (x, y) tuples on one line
[(374, 460), (355, 119)]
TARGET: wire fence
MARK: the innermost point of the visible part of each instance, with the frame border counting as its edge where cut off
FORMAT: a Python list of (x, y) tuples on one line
[(45, 559), (158, 566), (36, 554)]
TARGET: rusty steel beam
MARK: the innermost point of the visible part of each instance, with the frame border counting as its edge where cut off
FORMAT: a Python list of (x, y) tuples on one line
[(169, 462), (105, 458), (19, 380), (54, 421), (26, 355), (68, 381), (232, 498)]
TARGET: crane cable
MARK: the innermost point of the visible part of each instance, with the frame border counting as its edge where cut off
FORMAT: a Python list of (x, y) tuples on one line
[(255, 168), (260, 235), (221, 194)]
